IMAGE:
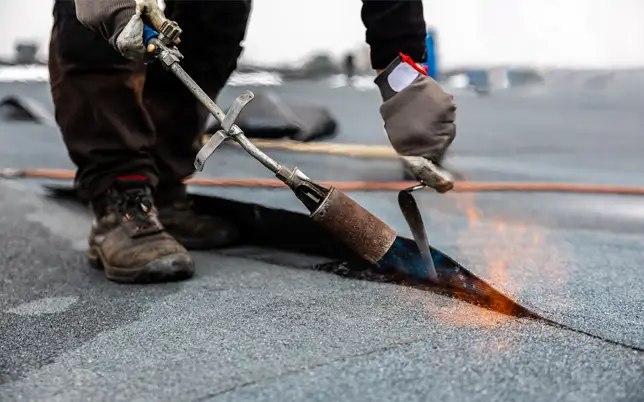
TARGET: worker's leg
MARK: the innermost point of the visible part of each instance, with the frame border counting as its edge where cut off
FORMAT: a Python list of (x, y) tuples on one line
[(97, 98), (211, 43), (98, 104)]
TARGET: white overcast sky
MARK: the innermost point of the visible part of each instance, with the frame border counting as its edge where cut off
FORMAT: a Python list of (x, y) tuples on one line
[(567, 33)]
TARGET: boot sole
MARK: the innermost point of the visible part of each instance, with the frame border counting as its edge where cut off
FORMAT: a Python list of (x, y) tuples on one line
[(171, 268)]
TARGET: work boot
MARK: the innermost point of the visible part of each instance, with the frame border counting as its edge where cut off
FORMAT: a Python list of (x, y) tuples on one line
[(194, 231), (128, 241)]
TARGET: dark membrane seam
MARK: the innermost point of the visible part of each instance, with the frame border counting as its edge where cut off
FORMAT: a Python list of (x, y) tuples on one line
[(264, 227), (340, 268)]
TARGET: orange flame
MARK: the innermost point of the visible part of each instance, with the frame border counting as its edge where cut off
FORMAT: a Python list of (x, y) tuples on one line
[(505, 246)]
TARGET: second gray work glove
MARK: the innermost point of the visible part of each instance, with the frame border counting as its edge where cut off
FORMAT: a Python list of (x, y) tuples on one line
[(419, 120)]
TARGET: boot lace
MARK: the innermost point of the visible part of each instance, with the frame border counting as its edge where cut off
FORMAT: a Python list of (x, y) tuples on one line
[(135, 205)]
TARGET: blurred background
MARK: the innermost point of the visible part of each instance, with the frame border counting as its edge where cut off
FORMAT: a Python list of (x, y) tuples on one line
[(544, 88), (602, 34)]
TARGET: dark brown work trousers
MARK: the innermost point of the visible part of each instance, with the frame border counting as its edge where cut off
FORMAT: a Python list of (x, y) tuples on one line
[(119, 118)]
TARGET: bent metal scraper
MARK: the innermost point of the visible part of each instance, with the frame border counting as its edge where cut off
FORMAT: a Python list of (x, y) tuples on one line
[(414, 220)]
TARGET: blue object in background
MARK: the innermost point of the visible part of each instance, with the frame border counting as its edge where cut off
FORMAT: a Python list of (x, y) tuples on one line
[(431, 63), (478, 78)]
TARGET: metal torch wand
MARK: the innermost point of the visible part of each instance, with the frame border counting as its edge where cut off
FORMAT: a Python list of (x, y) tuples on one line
[(361, 231)]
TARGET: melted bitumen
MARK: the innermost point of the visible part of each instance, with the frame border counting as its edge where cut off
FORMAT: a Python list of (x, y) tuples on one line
[(403, 264)]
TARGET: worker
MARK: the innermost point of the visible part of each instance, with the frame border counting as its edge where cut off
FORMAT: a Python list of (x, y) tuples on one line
[(349, 68), (133, 130)]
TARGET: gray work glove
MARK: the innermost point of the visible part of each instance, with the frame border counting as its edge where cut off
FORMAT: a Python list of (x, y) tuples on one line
[(419, 120), (120, 22), (130, 42)]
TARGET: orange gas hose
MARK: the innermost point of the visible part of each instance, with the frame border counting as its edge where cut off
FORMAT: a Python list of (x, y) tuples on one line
[(462, 186)]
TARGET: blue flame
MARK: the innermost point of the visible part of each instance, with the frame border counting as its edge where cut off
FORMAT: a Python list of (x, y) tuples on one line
[(404, 257)]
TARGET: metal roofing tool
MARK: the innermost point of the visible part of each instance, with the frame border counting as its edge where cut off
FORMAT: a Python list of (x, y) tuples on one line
[(432, 176), (414, 219)]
